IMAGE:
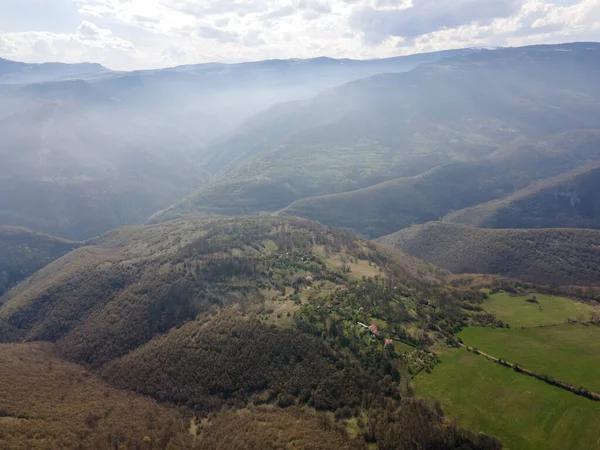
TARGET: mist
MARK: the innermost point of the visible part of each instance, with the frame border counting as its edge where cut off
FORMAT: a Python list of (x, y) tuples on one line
[(85, 149)]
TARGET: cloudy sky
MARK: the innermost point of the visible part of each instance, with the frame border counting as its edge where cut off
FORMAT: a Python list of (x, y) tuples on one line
[(129, 34)]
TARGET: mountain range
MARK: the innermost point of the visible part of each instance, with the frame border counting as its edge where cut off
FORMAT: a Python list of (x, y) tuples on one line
[(82, 155), (389, 151)]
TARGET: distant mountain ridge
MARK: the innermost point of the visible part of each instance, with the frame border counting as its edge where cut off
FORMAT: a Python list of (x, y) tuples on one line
[(82, 156), (20, 72), (394, 126)]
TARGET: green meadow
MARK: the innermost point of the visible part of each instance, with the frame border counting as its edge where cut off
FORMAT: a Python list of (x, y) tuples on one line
[(548, 311), (569, 353), (523, 412)]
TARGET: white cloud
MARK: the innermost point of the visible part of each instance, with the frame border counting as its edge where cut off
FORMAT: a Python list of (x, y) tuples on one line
[(6, 46), (87, 43), (150, 33), (427, 16), (87, 30)]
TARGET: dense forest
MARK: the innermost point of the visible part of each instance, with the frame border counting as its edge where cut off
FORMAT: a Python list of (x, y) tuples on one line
[(549, 256)]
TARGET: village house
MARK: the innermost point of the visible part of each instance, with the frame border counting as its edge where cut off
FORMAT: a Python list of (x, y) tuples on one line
[(388, 344), (375, 331)]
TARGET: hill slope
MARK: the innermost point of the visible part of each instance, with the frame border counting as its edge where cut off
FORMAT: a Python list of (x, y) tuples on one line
[(24, 252), (552, 256), (231, 312), (569, 200), (384, 208), (398, 125), (43, 394), (157, 277)]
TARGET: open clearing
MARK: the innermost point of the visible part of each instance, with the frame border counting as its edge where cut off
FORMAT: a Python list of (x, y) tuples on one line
[(523, 412), (548, 311), (569, 353)]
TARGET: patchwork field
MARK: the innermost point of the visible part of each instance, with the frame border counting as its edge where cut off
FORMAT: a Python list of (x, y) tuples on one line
[(569, 353), (549, 310), (525, 413)]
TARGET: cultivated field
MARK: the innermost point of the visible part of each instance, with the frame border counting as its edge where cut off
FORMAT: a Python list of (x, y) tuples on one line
[(570, 353), (523, 412), (549, 310)]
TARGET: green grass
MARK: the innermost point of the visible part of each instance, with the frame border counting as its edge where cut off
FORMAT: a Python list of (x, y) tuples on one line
[(523, 412), (519, 313), (567, 352)]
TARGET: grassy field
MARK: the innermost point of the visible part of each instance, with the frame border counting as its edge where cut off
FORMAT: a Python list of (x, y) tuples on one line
[(524, 413), (567, 352), (549, 310)]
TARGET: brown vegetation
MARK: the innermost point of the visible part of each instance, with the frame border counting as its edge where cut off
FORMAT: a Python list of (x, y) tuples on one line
[(47, 403), (549, 256)]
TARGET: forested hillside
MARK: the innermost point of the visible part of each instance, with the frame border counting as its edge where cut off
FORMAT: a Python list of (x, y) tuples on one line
[(551, 256), (24, 252), (230, 312), (394, 126), (74, 408), (569, 200), (155, 278), (387, 207)]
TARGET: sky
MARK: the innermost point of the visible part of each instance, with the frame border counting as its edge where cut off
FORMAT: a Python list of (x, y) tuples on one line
[(137, 34)]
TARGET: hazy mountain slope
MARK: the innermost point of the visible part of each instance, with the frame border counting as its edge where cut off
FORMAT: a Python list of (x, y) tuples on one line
[(551, 256), (81, 157), (387, 207), (207, 100), (19, 72), (23, 252), (75, 163), (569, 200), (399, 125), (246, 196)]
